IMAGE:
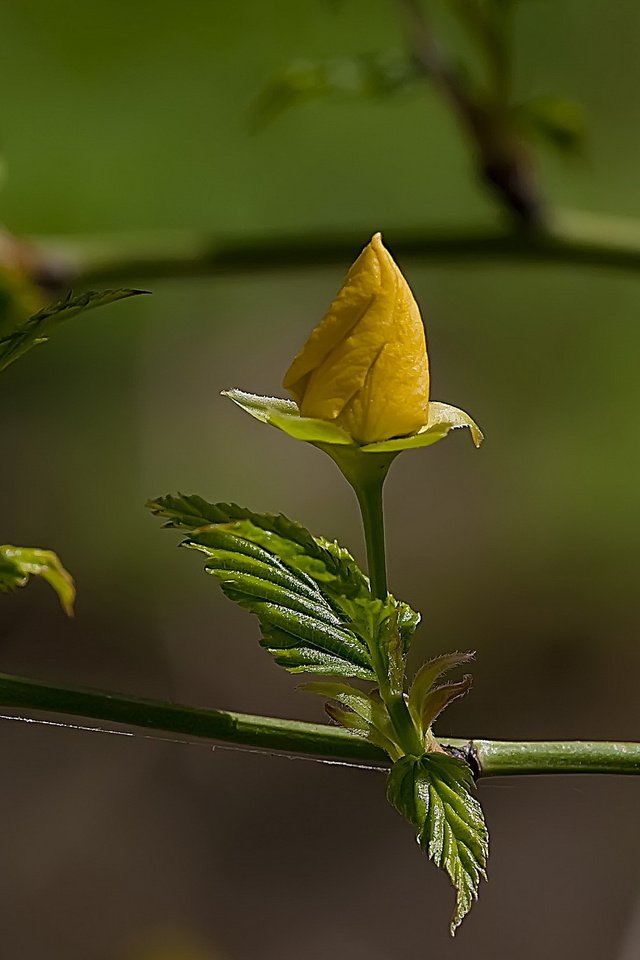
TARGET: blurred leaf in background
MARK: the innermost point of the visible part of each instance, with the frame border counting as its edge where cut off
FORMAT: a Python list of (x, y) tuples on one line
[(558, 122), (364, 76)]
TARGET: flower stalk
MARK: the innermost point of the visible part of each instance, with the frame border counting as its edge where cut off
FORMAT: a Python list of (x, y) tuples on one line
[(366, 473), (370, 500), (371, 509)]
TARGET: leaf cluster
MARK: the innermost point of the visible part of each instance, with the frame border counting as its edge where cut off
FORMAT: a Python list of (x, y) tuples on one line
[(317, 615)]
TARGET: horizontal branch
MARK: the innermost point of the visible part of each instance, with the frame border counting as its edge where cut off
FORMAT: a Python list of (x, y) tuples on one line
[(488, 757), (501, 758), (263, 733), (573, 239)]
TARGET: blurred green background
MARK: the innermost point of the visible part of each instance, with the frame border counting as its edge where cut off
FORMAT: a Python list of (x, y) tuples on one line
[(119, 116)]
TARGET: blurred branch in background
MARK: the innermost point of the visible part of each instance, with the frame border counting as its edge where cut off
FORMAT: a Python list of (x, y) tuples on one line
[(504, 158), (573, 238), (502, 135), (488, 758)]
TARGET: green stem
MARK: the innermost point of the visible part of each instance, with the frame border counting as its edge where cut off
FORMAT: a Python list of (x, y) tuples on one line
[(491, 758), (500, 758), (367, 472), (265, 733), (369, 491), (369, 496)]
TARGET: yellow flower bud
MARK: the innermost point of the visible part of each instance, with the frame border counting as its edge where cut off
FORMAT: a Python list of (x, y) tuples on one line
[(365, 365)]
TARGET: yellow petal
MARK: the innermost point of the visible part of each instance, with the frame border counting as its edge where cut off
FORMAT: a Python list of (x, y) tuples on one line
[(365, 365)]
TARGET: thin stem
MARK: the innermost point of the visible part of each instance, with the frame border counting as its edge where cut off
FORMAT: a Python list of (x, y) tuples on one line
[(369, 496), (367, 473), (490, 758)]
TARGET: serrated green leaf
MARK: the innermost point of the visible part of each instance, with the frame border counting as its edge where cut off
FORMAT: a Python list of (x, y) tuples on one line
[(305, 564), (434, 793), (292, 581), (426, 677), (325, 561), (37, 329), (17, 564)]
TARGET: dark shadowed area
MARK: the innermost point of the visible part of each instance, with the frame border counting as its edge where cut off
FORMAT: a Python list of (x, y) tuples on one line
[(118, 117)]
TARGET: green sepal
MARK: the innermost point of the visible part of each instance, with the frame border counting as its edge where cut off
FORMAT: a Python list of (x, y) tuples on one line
[(442, 419), (17, 564), (434, 793), (285, 415), (37, 329)]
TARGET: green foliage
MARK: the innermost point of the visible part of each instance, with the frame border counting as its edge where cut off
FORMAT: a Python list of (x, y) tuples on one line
[(434, 793), (17, 564), (318, 615), (38, 328)]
